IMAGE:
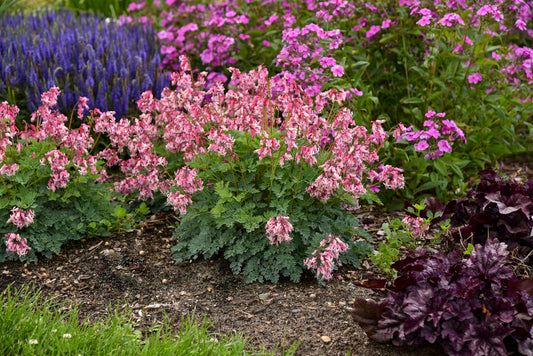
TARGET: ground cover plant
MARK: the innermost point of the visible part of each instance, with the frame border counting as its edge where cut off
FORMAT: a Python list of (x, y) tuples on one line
[(84, 55), (265, 165)]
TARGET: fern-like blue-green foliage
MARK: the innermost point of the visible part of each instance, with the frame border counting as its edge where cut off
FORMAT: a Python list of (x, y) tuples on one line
[(229, 216), (84, 208)]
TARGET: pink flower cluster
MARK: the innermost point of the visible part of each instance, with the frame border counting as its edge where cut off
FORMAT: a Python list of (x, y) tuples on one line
[(302, 46), (16, 244), (209, 31), (432, 136), (416, 226), (324, 260), (278, 230), (21, 219)]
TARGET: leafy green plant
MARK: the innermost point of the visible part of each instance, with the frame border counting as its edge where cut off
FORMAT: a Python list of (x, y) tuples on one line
[(48, 187), (406, 234)]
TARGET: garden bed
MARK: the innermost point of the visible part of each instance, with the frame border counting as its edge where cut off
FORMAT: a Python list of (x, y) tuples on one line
[(137, 269)]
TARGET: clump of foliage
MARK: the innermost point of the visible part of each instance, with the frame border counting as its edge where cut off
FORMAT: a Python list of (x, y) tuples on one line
[(84, 54), (262, 179), (48, 193), (407, 234), (495, 209), (471, 305)]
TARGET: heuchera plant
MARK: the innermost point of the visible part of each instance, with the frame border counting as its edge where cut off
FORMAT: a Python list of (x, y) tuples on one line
[(256, 158), (497, 209), (85, 55), (48, 194), (472, 305)]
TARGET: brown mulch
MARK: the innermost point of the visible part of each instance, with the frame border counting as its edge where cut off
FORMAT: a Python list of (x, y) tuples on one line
[(136, 269)]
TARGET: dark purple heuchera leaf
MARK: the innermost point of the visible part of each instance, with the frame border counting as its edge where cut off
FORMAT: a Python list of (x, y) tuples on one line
[(497, 209), (471, 305), (486, 338)]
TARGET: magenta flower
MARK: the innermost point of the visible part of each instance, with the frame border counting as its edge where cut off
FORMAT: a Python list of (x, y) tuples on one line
[(474, 78), (337, 70), (278, 230), (444, 146), (372, 31), (421, 146), (424, 21)]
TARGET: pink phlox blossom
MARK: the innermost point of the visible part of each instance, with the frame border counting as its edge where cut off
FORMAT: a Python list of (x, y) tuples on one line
[(327, 61), (271, 19), (372, 31), (323, 262), (459, 48), (450, 19), (521, 25), (444, 146), (21, 218), (15, 243), (133, 6), (475, 78), (278, 230), (424, 21), (421, 145)]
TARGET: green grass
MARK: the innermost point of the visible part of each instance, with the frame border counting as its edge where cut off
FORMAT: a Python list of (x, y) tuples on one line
[(33, 325)]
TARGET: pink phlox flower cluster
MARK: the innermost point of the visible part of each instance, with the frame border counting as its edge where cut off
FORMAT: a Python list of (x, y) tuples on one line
[(301, 47), (475, 78), (416, 226), (15, 243), (432, 135), (323, 261), (213, 32), (278, 230), (21, 218), (134, 6), (451, 19), (335, 10)]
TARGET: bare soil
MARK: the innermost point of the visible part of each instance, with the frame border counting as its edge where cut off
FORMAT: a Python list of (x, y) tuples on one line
[(136, 269)]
